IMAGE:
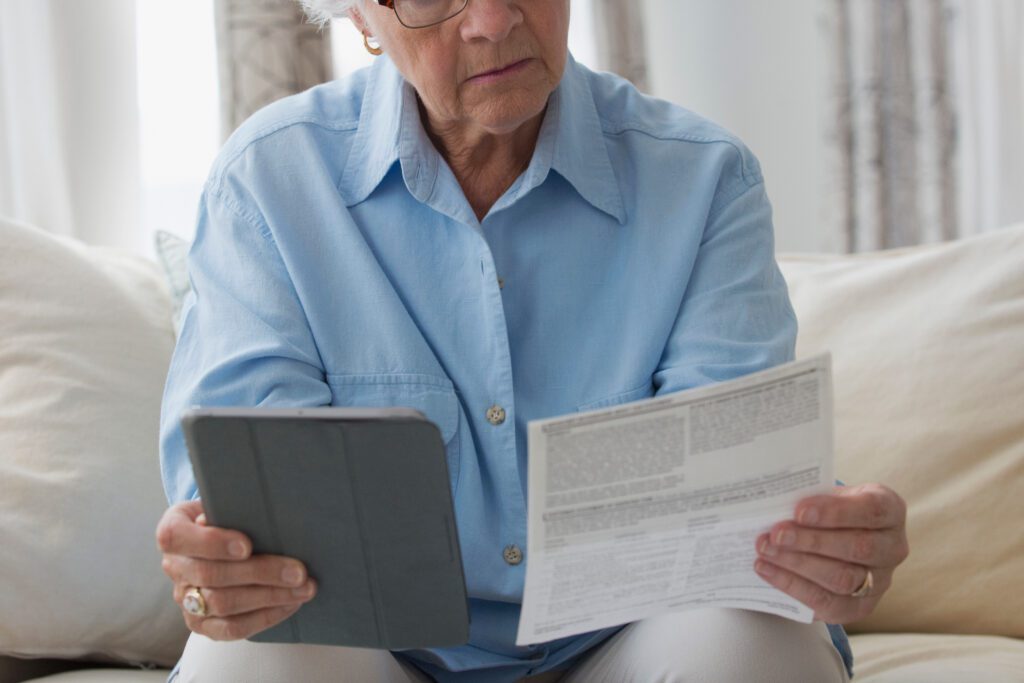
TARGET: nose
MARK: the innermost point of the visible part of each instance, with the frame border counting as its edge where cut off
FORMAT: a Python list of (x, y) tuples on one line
[(491, 20)]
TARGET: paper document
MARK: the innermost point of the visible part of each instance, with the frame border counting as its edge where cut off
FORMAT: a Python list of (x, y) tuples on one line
[(654, 505)]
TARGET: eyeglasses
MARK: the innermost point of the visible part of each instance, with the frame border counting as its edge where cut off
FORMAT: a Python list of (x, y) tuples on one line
[(424, 13)]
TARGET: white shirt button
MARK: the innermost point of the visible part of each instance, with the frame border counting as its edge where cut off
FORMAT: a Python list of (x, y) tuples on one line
[(512, 554), (495, 415)]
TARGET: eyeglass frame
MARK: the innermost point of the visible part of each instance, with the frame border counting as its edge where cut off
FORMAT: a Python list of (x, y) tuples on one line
[(390, 4)]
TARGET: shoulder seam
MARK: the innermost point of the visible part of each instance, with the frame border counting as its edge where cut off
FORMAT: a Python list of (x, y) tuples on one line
[(751, 179), (253, 220), (269, 130), (720, 206)]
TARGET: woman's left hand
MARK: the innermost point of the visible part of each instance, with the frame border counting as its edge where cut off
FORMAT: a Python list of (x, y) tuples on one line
[(822, 555)]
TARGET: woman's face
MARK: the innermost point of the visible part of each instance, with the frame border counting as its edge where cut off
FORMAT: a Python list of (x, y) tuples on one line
[(445, 63)]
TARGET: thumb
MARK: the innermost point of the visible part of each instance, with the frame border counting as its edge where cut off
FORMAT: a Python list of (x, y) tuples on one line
[(193, 509)]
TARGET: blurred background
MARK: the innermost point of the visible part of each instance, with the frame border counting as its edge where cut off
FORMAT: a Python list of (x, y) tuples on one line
[(879, 123)]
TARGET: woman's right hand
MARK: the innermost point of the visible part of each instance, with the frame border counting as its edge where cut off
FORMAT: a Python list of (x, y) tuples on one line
[(244, 593)]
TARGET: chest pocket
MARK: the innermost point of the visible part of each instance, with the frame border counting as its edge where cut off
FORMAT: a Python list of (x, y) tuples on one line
[(432, 395)]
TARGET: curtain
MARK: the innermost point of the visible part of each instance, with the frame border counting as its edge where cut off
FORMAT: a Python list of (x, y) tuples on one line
[(69, 157), (988, 51), (266, 50), (894, 133), (926, 105), (621, 47)]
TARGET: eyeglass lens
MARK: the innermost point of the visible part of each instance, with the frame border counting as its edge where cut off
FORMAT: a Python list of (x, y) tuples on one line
[(421, 13)]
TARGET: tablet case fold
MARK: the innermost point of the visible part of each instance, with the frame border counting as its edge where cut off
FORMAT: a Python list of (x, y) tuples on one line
[(364, 503)]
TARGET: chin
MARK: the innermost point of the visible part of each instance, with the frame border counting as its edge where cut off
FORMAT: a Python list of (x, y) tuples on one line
[(507, 111)]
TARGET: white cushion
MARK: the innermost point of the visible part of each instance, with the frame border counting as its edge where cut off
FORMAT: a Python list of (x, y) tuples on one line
[(107, 676), (933, 658), (85, 342), (928, 356)]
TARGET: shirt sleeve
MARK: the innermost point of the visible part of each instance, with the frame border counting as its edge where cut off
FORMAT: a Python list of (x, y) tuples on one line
[(736, 316), (244, 340)]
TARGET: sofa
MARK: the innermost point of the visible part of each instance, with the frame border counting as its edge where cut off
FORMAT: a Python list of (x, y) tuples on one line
[(927, 347)]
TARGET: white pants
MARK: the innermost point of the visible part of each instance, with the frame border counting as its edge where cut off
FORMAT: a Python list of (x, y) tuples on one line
[(695, 645)]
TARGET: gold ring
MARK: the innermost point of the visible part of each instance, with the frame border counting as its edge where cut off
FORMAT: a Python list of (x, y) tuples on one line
[(194, 603), (865, 586)]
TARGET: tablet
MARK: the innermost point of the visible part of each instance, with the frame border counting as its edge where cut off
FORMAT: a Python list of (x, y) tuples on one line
[(361, 496)]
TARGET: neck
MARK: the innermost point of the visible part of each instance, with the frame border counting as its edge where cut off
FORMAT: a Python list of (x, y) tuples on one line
[(485, 163)]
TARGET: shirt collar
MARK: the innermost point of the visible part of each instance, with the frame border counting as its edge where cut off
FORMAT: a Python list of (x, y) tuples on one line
[(581, 153), (571, 141)]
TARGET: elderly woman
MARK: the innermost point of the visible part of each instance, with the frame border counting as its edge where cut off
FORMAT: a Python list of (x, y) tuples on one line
[(480, 227)]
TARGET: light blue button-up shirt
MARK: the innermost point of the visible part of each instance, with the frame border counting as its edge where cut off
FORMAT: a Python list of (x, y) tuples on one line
[(337, 262)]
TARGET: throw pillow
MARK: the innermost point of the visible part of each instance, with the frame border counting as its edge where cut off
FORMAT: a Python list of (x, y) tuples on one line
[(85, 343), (172, 252)]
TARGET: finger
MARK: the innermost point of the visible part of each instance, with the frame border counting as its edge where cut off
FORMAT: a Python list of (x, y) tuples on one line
[(860, 546), (867, 506), (193, 508), (239, 626), (224, 602), (827, 606), (221, 601), (841, 578), (263, 570), (180, 534)]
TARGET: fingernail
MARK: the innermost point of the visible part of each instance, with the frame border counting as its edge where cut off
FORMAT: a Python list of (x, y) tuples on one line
[(785, 537), (292, 575), (767, 548), (763, 568), (236, 549), (809, 516), (303, 591)]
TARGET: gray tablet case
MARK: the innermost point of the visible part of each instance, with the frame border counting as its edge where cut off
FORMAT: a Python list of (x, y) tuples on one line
[(361, 496)]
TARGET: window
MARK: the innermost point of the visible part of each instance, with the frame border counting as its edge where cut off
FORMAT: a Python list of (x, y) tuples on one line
[(178, 110)]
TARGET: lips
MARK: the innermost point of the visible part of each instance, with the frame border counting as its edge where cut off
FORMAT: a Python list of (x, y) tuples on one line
[(497, 72)]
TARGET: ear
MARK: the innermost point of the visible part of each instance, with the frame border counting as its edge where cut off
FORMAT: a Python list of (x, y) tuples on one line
[(357, 18)]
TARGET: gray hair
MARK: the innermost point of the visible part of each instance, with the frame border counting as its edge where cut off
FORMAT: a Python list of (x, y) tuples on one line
[(321, 11)]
